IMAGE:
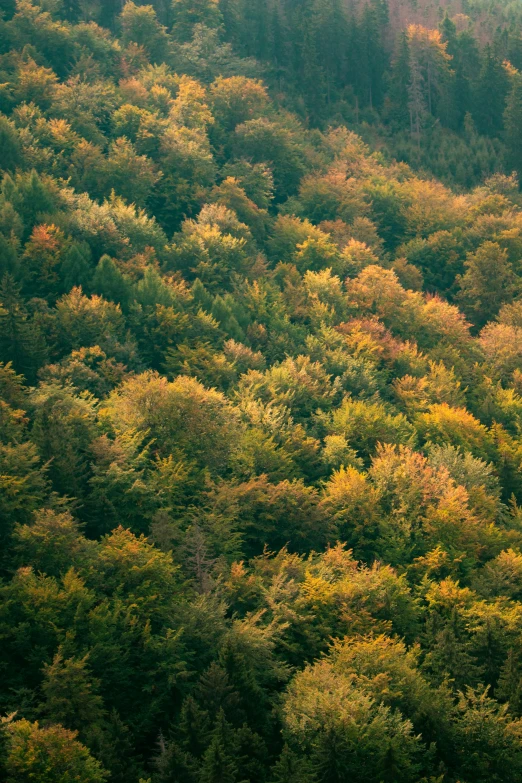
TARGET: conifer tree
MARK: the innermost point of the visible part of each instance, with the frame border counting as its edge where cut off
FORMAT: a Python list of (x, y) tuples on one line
[(490, 95), (20, 340), (70, 695), (513, 126), (188, 13), (76, 269), (399, 92), (10, 150), (111, 283), (219, 764)]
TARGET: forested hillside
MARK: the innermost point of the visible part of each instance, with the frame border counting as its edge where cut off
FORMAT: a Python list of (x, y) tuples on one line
[(260, 392)]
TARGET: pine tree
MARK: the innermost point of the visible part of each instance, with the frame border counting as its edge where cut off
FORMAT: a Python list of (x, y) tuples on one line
[(71, 695), (255, 29), (291, 767), (109, 10), (416, 103), (219, 765), (8, 257), (399, 96), (173, 763), (490, 95), (188, 13), (72, 10), (76, 269), (372, 55), (509, 687), (194, 727), (331, 32), (20, 340), (202, 298), (513, 126), (466, 64), (111, 283), (279, 42), (448, 31), (10, 150), (232, 21), (34, 200)]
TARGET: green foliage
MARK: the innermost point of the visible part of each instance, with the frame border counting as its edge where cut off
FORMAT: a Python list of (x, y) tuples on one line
[(48, 754), (260, 392)]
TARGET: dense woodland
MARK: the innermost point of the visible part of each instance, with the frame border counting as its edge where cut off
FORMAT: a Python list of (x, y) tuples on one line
[(260, 392)]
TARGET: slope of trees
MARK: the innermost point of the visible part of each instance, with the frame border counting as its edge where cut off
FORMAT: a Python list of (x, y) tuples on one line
[(260, 395)]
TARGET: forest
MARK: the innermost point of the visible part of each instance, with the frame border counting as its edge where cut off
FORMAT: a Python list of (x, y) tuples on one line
[(260, 391)]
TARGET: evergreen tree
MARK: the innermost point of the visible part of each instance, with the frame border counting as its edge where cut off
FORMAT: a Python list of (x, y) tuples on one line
[(70, 695), (490, 95), (20, 340), (76, 269), (400, 79), (8, 257), (111, 283), (513, 126), (188, 13), (219, 764), (371, 59), (72, 10), (10, 150)]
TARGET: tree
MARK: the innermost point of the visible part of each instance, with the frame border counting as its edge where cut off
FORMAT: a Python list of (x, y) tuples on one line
[(353, 504), (183, 417), (132, 176), (75, 269), (403, 89), (64, 427), (490, 94), (21, 341), (292, 768), (366, 424), (488, 283), (84, 321), (455, 426), (501, 347), (36, 84), (487, 740), (512, 124), (10, 151), (70, 695), (275, 515), (263, 141), (23, 482), (111, 283), (140, 25), (429, 67), (52, 543), (72, 10), (42, 261), (49, 755), (346, 734), (187, 14), (219, 764)]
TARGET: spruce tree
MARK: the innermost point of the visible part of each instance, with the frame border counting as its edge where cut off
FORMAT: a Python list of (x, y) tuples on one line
[(219, 764), (399, 99), (188, 13), (490, 95), (76, 269), (20, 340), (513, 126), (111, 283)]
